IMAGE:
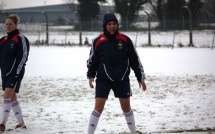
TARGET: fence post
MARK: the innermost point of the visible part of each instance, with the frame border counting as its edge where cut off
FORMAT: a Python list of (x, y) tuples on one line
[(173, 39), (164, 23), (47, 27), (65, 39), (213, 41), (136, 39), (80, 27), (149, 28), (190, 25), (39, 39), (182, 21)]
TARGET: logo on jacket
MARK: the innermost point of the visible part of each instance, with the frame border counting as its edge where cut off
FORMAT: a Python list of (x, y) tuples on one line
[(12, 45), (120, 45), (102, 38)]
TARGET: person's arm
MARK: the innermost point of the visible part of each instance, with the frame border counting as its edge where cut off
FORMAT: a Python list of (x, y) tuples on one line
[(142, 85), (91, 80), (1, 41), (136, 64), (22, 53), (92, 64)]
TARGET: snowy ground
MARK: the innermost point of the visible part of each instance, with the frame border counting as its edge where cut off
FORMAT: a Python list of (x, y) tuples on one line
[(180, 97)]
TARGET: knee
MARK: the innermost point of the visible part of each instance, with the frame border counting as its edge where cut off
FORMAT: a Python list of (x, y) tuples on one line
[(99, 109), (126, 110)]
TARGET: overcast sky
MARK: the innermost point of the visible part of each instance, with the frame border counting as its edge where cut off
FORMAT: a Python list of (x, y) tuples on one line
[(28, 3), (10, 4)]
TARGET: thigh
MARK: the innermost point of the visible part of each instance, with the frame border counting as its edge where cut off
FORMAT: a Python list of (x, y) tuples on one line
[(99, 104), (8, 93), (125, 104), (122, 89), (102, 88)]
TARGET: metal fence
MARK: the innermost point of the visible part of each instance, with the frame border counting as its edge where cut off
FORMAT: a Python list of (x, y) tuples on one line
[(66, 36)]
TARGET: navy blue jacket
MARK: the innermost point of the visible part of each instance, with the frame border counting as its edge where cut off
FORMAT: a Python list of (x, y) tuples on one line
[(14, 50), (111, 58)]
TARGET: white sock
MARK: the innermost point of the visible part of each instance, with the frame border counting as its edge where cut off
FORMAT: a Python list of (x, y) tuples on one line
[(17, 112), (130, 121), (94, 118), (6, 110)]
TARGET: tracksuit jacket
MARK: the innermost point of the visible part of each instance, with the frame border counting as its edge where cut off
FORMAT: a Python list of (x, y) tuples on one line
[(14, 50), (112, 57)]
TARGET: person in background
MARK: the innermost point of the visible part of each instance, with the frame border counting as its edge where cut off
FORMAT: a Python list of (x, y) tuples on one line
[(111, 56), (14, 51)]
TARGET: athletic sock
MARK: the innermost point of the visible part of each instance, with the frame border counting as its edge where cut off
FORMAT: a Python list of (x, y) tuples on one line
[(130, 121), (94, 118), (17, 111), (6, 110)]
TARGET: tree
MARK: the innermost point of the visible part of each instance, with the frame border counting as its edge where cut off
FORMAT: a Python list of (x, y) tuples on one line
[(159, 10), (169, 13), (2, 5), (195, 7), (72, 9), (208, 11), (88, 10), (174, 13), (71, 4), (128, 10), (209, 8)]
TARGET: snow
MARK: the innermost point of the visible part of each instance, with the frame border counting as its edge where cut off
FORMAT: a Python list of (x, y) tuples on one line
[(55, 96)]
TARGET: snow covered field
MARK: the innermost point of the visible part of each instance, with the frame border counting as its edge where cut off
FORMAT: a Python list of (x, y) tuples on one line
[(180, 97)]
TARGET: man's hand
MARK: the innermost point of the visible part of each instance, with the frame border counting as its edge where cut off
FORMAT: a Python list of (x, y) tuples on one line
[(91, 80), (143, 85)]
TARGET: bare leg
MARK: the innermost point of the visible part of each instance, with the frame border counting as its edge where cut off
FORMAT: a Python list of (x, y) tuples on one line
[(99, 104), (8, 93), (14, 98), (125, 104)]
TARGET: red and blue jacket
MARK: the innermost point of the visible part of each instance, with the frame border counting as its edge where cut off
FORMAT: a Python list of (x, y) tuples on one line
[(14, 51), (112, 58)]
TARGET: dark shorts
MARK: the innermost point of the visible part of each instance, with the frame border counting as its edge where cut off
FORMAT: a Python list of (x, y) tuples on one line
[(7, 82), (121, 89)]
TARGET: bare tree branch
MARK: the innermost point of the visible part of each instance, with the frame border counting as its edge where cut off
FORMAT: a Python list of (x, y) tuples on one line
[(2, 4)]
